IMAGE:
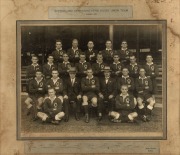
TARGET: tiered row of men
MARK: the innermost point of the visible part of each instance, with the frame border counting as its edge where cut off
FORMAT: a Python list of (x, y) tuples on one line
[(109, 82)]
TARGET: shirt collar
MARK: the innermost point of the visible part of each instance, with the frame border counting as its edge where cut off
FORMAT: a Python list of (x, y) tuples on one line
[(99, 62), (50, 64), (107, 77), (38, 80), (75, 49), (35, 65), (124, 95), (65, 62), (52, 99), (124, 76), (55, 79), (59, 49), (142, 78), (82, 62), (123, 49), (116, 63), (90, 49), (88, 77), (149, 63), (109, 49), (133, 64)]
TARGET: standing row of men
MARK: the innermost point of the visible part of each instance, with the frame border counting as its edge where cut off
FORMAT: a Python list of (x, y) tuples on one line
[(87, 80)]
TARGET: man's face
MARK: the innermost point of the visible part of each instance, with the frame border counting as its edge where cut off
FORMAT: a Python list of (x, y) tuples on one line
[(55, 74), (34, 60), (38, 75), (124, 90), (65, 57), (82, 58), (116, 58), (99, 58), (125, 72), (149, 59), (132, 59), (50, 59), (75, 43), (72, 75), (107, 73), (108, 44), (124, 44), (51, 92), (58, 45), (89, 73), (142, 72), (90, 45)]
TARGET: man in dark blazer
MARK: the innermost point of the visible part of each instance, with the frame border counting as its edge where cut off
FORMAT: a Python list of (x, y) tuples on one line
[(108, 52), (64, 66), (74, 52), (48, 67), (108, 90), (91, 53), (98, 66), (58, 52), (73, 91)]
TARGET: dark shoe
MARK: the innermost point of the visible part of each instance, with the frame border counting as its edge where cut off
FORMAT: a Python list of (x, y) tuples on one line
[(29, 111), (87, 118), (55, 122), (148, 118), (66, 119), (77, 116)]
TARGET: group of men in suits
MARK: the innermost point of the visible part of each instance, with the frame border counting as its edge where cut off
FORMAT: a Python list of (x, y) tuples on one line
[(108, 80)]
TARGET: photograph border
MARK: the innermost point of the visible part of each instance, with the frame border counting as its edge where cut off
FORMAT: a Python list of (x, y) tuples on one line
[(20, 23)]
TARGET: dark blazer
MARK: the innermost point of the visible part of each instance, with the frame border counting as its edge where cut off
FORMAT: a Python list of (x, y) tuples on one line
[(73, 90), (134, 70), (31, 71), (62, 68), (98, 69), (108, 56), (71, 55), (92, 52), (47, 70), (110, 88), (58, 56)]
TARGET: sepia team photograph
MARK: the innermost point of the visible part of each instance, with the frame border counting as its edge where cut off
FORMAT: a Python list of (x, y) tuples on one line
[(91, 80)]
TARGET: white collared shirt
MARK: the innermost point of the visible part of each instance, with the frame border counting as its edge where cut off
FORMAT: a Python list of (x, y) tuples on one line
[(107, 79), (50, 64), (125, 76), (117, 63), (124, 96), (142, 77), (82, 62), (133, 64), (149, 64), (123, 49), (38, 81), (55, 80), (109, 49), (59, 49), (66, 62), (89, 78), (73, 80), (74, 49), (52, 99)]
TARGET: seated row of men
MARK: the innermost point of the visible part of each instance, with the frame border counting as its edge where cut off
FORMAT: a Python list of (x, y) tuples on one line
[(97, 67), (50, 99)]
